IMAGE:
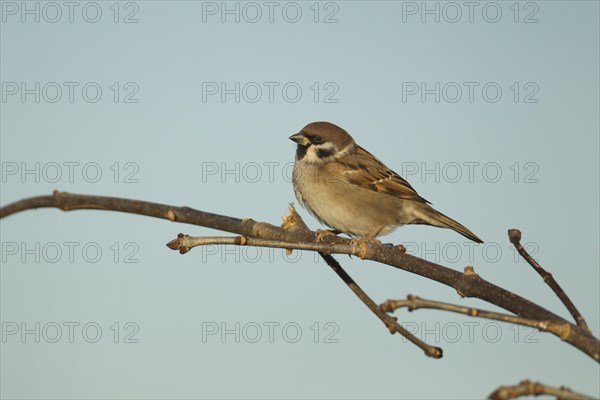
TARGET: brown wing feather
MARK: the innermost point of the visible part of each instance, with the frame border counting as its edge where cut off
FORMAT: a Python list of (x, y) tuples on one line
[(365, 170)]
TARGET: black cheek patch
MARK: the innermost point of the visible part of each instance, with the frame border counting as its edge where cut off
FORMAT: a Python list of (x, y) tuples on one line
[(324, 153)]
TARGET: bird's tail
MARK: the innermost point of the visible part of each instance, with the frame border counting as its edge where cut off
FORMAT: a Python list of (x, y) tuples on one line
[(436, 218)]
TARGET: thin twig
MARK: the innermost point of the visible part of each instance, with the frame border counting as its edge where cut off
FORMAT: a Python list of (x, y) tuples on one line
[(413, 302), (390, 322), (514, 236), (185, 243), (528, 388)]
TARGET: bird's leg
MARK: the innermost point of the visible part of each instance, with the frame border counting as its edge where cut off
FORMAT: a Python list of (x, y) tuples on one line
[(323, 233)]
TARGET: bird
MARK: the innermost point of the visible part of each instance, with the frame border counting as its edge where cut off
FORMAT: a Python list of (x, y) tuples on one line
[(351, 191)]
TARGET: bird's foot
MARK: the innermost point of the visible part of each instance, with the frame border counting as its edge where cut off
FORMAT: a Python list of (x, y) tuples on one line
[(323, 233), (359, 245)]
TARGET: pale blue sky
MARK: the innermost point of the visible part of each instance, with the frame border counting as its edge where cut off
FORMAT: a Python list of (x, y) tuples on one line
[(526, 157)]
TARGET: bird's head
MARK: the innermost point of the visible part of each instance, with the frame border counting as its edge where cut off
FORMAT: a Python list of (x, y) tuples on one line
[(320, 142)]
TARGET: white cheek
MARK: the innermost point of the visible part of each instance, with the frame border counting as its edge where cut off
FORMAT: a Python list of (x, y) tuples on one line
[(311, 155)]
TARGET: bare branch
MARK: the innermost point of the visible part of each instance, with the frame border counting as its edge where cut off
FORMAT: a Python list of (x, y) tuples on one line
[(515, 238), (528, 388), (295, 231), (390, 322), (185, 243), (413, 302)]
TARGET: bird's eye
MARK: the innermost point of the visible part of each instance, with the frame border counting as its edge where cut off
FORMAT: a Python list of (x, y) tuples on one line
[(318, 139)]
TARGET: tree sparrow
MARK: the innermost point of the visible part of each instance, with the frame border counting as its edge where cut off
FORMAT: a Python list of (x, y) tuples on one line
[(346, 188)]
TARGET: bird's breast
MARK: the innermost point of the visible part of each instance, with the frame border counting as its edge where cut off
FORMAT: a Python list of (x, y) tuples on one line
[(327, 195)]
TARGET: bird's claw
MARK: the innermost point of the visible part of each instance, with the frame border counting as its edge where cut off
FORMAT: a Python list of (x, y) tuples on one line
[(359, 245), (323, 233)]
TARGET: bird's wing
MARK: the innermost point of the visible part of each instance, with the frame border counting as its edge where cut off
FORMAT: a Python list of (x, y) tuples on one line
[(365, 170)]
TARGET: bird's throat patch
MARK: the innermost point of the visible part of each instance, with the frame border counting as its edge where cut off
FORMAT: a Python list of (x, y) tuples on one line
[(301, 152)]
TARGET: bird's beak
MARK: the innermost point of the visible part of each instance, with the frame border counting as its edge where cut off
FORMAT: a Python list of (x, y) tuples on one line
[(300, 139)]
